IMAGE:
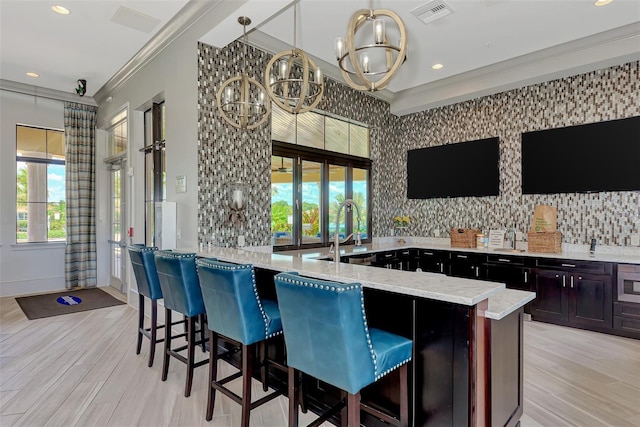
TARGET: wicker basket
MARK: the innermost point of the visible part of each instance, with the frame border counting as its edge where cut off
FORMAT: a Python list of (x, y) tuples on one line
[(550, 242), (463, 237)]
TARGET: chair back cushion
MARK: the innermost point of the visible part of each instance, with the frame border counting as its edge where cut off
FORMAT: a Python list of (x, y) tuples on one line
[(233, 306), (144, 268), (179, 282), (325, 330)]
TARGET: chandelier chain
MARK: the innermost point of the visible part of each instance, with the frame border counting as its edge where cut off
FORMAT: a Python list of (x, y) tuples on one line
[(295, 19)]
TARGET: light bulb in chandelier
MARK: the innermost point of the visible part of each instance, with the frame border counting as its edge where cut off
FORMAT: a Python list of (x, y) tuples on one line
[(366, 57), (293, 80), (241, 99)]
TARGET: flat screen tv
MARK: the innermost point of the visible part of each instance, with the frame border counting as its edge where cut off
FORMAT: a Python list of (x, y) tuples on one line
[(594, 157), (454, 170)]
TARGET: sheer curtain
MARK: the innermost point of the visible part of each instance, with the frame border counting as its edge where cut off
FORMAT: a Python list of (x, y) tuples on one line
[(80, 252)]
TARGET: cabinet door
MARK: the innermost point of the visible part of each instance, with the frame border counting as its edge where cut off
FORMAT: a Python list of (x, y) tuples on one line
[(465, 265), (590, 300), (433, 261), (513, 276), (388, 260), (407, 260), (551, 296)]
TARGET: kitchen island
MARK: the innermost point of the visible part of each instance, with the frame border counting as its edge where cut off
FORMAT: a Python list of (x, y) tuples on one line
[(467, 334)]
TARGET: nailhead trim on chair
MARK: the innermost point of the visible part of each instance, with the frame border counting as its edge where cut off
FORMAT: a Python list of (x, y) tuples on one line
[(176, 255), (143, 248), (348, 287), (208, 263)]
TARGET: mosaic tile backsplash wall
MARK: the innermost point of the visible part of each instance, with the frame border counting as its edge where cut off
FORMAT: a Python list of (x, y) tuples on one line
[(227, 154), (606, 94)]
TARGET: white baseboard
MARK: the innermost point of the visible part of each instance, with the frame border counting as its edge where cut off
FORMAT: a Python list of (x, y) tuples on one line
[(32, 286)]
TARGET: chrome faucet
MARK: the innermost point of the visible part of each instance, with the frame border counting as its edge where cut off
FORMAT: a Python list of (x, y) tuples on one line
[(356, 234)]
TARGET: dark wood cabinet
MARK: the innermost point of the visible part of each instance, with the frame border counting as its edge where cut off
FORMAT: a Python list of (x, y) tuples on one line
[(433, 261), (551, 301), (590, 300), (408, 259), (626, 318), (387, 259), (512, 271), (468, 265), (573, 293), (574, 298)]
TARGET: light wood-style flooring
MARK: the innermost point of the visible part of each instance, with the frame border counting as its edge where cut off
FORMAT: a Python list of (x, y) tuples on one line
[(81, 370)]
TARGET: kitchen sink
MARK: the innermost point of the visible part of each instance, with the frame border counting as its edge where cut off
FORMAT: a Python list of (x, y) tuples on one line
[(515, 251)]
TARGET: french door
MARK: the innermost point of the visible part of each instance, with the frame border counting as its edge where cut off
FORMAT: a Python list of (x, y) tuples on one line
[(117, 224)]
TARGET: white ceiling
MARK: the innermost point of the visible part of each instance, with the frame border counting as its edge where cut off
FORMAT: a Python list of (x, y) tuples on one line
[(485, 45)]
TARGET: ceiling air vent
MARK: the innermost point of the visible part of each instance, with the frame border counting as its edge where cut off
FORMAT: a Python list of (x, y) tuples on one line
[(429, 12)]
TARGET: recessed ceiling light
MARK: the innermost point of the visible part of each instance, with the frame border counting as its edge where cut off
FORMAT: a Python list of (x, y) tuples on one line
[(437, 66), (32, 74), (602, 2), (61, 10)]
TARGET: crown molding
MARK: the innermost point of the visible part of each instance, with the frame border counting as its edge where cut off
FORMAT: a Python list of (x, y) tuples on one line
[(41, 92), (606, 49), (183, 20)]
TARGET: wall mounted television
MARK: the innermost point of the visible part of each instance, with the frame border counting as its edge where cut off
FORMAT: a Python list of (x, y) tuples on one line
[(454, 170), (594, 157)]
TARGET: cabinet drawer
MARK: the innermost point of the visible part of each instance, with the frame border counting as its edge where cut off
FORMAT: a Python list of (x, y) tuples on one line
[(569, 265), (505, 259), (385, 256), (405, 253), (626, 310), (628, 325)]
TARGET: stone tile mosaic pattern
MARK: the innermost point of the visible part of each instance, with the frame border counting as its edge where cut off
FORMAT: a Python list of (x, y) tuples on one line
[(606, 94), (227, 154)]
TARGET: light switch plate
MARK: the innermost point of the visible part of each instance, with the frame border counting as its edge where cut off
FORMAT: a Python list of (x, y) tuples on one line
[(635, 240), (436, 233)]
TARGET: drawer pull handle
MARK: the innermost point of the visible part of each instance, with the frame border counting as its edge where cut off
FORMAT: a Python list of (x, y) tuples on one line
[(427, 253), (525, 277), (462, 256), (569, 265), (405, 253), (504, 260)]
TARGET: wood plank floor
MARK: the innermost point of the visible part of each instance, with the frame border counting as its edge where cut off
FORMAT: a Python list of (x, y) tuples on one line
[(81, 370)]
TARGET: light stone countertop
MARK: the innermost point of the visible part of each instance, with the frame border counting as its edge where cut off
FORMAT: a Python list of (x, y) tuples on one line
[(627, 255), (438, 287), (421, 284), (506, 302)]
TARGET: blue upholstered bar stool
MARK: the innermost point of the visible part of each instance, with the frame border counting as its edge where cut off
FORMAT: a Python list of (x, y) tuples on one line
[(144, 268), (236, 313), (181, 290), (327, 337)]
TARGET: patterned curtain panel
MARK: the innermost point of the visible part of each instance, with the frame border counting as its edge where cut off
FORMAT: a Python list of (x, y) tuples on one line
[(80, 253)]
